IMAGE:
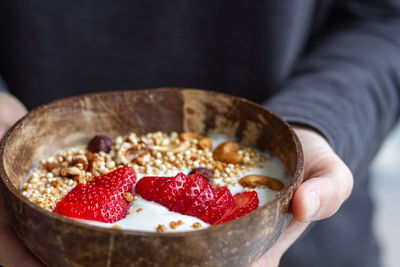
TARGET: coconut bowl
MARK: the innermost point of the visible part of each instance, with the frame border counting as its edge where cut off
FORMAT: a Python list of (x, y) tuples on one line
[(60, 241)]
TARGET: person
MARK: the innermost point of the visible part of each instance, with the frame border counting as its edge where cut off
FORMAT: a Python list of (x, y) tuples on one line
[(330, 68)]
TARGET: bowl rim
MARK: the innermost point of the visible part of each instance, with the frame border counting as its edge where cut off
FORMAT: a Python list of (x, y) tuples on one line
[(295, 178)]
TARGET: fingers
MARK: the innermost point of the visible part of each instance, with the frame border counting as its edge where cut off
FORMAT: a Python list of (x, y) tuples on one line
[(11, 109), (272, 257), (322, 195), (13, 252)]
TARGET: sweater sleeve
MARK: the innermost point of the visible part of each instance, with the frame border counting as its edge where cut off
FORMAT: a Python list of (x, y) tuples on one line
[(348, 85), (3, 87)]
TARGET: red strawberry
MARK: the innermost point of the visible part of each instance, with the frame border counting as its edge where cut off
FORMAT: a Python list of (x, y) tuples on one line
[(149, 187), (102, 199), (222, 204), (120, 180), (202, 201), (244, 203), (173, 191), (76, 210), (195, 187), (111, 214), (96, 196)]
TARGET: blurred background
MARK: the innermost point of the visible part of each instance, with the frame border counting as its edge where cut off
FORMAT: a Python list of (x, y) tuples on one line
[(385, 188)]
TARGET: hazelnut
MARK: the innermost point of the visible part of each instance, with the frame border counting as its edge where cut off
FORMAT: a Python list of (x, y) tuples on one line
[(206, 173), (100, 143)]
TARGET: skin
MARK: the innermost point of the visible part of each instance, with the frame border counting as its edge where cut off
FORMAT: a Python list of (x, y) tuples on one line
[(327, 184), (326, 178), (12, 251)]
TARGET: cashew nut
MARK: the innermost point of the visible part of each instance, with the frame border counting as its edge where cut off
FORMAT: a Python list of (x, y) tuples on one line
[(227, 152), (205, 143), (254, 180), (174, 148), (187, 136)]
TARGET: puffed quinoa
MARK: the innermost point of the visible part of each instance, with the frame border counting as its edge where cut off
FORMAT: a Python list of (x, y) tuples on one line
[(173, 225), (161, 228), (196, 225)]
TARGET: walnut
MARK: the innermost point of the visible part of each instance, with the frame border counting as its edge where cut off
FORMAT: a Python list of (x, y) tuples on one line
[(93, 163), (137, 154), (80, 159)]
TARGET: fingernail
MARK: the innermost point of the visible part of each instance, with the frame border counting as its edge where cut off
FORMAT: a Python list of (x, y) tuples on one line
[(312, 205)]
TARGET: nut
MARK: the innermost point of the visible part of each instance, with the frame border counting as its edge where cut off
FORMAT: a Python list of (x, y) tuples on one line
[(69, 171), (100, 143), (172, 148), (56, 172), (80, 159), (227, 152), (254, 180), (93, 162), (136, 154), (206, 173), (49, 166), (187, 136), (205, 143)]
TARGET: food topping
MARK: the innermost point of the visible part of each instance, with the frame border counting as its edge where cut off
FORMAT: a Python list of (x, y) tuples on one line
[(255, 180), (206, 173), (100, 143), (244, 203), (97, 181), (196, 225), (161, 228), (173, 225), (190, 195), (100, 200), (228, 152)]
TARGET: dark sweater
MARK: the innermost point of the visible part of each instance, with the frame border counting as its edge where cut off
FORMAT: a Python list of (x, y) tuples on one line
[(333, 65)]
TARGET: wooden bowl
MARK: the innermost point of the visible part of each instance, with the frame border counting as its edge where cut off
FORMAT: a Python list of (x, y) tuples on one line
[(60, 241)]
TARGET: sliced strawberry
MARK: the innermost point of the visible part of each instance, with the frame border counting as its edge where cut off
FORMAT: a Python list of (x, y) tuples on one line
[(202, 201), (222, 204), (93, 213), (76, 210), (172, 192), (244, 203), (102, 199), (120, 180), (112, 214), (92, 195), (194, 188), (149, 187)]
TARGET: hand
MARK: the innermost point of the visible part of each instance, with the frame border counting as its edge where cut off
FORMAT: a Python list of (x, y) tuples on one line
[(12, 251), (327, 184)]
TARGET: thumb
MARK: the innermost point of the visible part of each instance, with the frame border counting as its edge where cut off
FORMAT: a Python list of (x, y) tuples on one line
[(328, 186)]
